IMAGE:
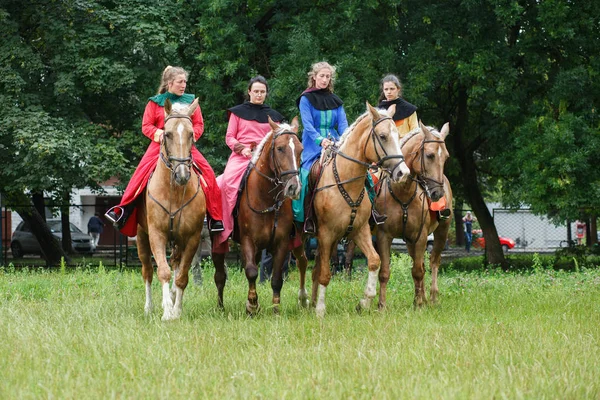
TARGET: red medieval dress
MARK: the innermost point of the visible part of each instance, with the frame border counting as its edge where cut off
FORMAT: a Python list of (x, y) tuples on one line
[(154, 119)]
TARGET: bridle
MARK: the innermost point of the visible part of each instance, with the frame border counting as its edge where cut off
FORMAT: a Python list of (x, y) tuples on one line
[(422, 179), (172, 163), (355, 204), (275, 180)]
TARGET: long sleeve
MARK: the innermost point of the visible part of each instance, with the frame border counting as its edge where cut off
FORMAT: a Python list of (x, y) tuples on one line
[(342, 124), (308, 122), (198, 123), (232, 131), (149, 121), (413, 121)]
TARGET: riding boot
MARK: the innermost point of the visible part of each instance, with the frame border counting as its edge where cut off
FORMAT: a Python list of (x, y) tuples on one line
[(310, 226), (444, 214), (118, 215)]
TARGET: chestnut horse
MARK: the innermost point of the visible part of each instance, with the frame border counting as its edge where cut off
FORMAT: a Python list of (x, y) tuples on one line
[(172, 212), (371, 141), (407, 209), (265, 219)]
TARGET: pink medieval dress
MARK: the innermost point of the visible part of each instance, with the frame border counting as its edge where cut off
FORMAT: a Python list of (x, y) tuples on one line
[(154, 119), (241, 133)]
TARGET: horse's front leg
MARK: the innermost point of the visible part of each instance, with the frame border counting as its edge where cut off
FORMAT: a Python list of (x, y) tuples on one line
[(220, 276), (181, 280), (365, 243), (145, 255), (417, 253), (249, 253), (384, 245), (158, 245), (302, 263), (280, 257), (322, 274)]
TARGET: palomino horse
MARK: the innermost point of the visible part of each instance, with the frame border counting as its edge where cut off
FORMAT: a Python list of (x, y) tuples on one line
[(265, 218), (409, 216), (338, 200), (172, 212)]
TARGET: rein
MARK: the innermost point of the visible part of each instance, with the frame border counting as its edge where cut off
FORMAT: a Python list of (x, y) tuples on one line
[(421, 179), (354, 205), (276, 181), (172, 163)]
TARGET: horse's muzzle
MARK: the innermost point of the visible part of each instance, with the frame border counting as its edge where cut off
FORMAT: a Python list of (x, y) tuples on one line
[(292, 188), (399, 172), (182, 175)]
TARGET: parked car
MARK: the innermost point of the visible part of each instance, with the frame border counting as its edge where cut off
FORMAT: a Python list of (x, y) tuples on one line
[(24, 242), (397, 242), (479, 241)]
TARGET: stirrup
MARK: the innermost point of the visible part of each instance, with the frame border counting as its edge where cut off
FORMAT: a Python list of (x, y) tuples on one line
[(215, 226), (309, 227), (115, 215), (378, 218)]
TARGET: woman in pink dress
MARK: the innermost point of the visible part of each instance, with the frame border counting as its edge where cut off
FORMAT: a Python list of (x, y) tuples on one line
[(248, 125)]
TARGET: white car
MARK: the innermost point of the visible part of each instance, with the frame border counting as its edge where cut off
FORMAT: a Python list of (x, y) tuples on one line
[(398, 243)]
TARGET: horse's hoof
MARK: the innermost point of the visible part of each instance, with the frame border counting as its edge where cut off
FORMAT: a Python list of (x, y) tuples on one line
[(276, 309), (381, 306), (147, 311), (365, 304), (251, 309), (303, 303)]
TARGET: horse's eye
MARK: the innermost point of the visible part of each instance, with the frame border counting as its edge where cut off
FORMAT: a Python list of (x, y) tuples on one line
[(383, 137), (168, 134), (280, 149), (430, 156)]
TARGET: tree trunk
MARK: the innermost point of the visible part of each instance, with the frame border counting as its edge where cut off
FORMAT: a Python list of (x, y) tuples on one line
[(39, 203), (51, 249), (473, 195), (67, 243), (458, 223)]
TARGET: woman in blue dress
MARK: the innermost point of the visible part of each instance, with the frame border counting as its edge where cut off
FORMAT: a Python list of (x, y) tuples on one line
[(324, 121)]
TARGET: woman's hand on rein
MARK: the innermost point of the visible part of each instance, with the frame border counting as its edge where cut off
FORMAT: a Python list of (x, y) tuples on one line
[(247, 152)]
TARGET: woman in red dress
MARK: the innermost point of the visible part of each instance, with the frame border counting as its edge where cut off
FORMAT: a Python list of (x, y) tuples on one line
[(172, 87)]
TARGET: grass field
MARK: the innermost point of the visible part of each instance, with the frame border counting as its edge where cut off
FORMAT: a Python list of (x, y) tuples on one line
[(83, 334)]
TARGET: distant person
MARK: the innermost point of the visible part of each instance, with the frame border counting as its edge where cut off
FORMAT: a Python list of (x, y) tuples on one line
[(580, 232), (95, 228), (468, 224)]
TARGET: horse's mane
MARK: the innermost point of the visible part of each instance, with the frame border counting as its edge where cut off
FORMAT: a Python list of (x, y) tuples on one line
[(258, 150), (350, 129), (432, 129)]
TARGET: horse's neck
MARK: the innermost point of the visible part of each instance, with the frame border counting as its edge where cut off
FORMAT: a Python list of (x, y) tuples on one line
[(355, 148), (404, 190), (263, 167)]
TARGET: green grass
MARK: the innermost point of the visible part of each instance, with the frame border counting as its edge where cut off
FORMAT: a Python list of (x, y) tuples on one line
[(82, 333)]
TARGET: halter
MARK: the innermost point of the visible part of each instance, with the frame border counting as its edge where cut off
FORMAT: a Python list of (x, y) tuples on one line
[(422, 180), (354, 205), (169, 162), (276, 181)]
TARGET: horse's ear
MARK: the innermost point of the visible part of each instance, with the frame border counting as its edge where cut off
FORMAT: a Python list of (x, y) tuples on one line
[(373, 111), (192, 107), (272, 123), (391, 110), (295, 125), (168, 107), (423, 127), (445, 130)]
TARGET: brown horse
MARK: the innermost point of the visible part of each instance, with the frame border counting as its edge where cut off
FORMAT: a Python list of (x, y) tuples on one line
[(265, 218), (172, 212), (372, 140), (407, 208)]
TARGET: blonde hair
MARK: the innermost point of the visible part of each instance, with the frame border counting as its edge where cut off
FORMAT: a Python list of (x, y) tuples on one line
[(168, 76), (314, 70)]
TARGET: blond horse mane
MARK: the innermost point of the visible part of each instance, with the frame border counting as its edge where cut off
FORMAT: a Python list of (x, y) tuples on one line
[(432, 129), (258, 150)]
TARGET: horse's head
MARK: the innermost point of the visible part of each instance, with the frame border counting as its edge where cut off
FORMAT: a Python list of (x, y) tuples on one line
[(178, 139), (426, 158), (284, 158), (386, 151)]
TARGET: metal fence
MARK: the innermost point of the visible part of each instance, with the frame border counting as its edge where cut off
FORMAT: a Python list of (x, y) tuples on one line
[(531, 233)]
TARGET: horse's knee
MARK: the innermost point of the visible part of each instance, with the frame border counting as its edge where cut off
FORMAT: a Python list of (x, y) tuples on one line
[(182, 280), (251, 272), (164, 274)]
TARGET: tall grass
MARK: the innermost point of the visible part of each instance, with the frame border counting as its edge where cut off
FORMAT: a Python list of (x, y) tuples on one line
[(83, 334)]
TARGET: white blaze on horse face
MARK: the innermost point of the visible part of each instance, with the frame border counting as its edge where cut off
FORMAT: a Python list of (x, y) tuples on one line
[(293, 147), (180, 129)]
